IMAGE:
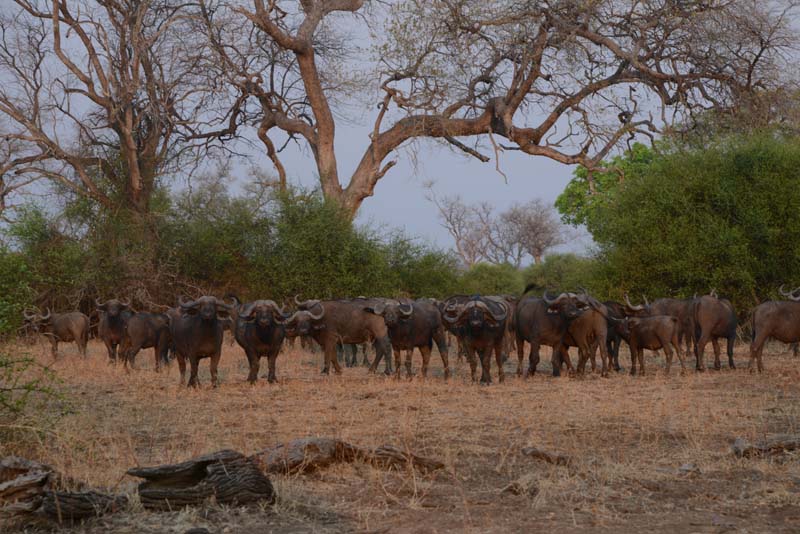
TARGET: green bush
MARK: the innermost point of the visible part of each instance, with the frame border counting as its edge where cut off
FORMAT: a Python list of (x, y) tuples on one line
[(16, 293), (689, 219), (489, 279)]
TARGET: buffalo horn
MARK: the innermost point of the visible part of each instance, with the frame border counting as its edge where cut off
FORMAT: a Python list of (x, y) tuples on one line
[(713, 293), (321, 313), (46, 317), (548, 300), (406, 306), (631, 306), (186, 304)]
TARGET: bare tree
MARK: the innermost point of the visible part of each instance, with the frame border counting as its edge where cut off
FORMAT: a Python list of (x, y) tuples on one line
[(464, 225), (529, 229), (98, 92), (532, 227), (563, 79)]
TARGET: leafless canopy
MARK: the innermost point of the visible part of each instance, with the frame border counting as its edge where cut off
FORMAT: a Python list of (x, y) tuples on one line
[(480, 235), (96, 93), (564, 79)]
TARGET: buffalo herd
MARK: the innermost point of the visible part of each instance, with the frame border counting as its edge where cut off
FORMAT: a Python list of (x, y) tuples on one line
[(481, 326)]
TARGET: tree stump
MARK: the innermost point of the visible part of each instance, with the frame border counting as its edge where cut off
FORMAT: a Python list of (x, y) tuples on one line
[(228, 476), (30, 491)]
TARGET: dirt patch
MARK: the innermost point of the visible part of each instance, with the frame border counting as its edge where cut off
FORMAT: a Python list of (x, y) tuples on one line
[(626, 437)]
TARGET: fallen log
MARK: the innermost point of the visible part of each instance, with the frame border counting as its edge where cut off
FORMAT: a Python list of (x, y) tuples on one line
[(308, 454), (31, 491), (228, 476), (554, 458), (775, 445)]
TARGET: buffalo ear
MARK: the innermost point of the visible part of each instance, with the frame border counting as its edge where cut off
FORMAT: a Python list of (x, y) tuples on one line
[(371, 309)]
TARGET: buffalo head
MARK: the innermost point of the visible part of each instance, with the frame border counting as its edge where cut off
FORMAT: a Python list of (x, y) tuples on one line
[(304, 320), (477, 313), (37, 319), (113, 307), (392, 311), (568, 305), (208, 308), (261, 312)]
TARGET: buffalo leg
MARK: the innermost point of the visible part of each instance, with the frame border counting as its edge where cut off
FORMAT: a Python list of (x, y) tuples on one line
[(520, 354), (563, 351), (272, 362), (634, 354), (667, 354), (53, 347), (699, 351), (499, 356), (214, 363), (717, 363), (398, 361), (441, 343), (255, 364), (676, 345), (486, 365), (533, 357), (383, 349), (82, 341), (425, 351), (181, 365), (755, 352), (410, 353), (473, 363), (194, 363), (731, 341), (640, 357)]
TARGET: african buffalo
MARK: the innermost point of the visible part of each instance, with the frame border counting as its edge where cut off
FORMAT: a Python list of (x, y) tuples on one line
[(653, 332), (144, 331), (538, 327), (259, 331), (683, 309), (114, 314), (197, 333), (616, 312), (71, 326), (413, 324), (778, 319), (714, 318), (344, 321), (587, 326), (481, 322)]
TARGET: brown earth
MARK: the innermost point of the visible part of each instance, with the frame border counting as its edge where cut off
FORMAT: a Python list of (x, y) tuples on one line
[(648, 453)]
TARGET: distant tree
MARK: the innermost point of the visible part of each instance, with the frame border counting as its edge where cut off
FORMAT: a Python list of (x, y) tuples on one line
[(481, 235)]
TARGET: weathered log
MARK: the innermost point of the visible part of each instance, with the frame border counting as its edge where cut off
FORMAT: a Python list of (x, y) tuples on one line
[(775, 445), (389, 456), (554, 458), (31, 490), (305, 454), (309, 454), (228, 476), (66, 507)]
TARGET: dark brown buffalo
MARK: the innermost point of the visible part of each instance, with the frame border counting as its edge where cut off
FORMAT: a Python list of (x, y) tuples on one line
[(616, 312), (451, 306), (654, 332), (777, 319), (197, 333), (413, 324), (114, 314), (587, 326), (345, 321), (538, 327), (144, 331), (66, 327), (481, 323), (714, 318), (683, 309), (259, 331)]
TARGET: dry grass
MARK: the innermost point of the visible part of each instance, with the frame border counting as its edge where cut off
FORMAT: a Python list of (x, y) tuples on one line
[(628, 436)]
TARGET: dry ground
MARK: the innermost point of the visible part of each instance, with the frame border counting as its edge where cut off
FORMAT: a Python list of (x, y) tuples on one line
[(629, 437)]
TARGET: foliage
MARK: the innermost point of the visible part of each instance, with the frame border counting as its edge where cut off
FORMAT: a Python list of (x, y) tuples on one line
[(688, 219), (490, 279), (15, 291), (567, 272), (22, 378)]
